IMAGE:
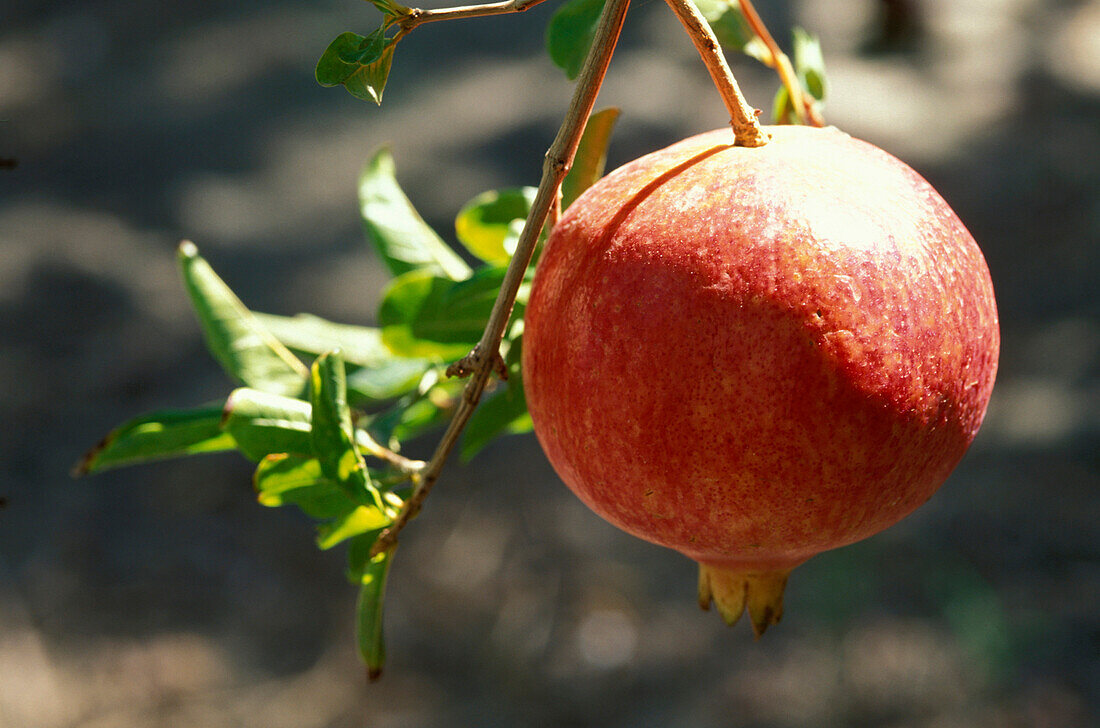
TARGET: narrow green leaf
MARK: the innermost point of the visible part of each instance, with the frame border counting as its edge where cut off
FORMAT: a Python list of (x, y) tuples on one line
[(372, 593), (570, 32), (402, 238), (423, 315), (282, 479), (359, 520), (484, 225), (262, 423), (782, 108), (591, 157), (236, 338), (809, 63), (333, 436), (386, 381), (375, 373), (312, 336), (158, 435)]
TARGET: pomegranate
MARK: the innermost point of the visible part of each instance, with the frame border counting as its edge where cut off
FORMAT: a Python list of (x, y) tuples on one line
[(753, 355)]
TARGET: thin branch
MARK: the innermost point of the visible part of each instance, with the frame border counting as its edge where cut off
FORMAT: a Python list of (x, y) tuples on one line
[(417, 16), (746, 128), (376, 450), (804, 107), (481, 361)]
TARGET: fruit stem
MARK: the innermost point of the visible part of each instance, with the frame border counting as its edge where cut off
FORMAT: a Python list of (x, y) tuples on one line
[(803, 107), (485, 357), (746, 127)]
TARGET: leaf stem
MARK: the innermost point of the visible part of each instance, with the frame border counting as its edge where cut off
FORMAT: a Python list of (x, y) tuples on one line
[(416, 16), (481, 362), (803, 106), (746, 128)]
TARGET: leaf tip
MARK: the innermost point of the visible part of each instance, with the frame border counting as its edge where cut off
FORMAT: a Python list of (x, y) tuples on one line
[(188, 250), (87, 461)]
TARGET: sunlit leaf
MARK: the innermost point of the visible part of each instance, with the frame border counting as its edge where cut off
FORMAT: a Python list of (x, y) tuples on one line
[(733, 30), (236, 338), (809, 63), (282, 479), (386, 381), (368, 82), (360, 63), (262, 423), (313, 336), (591, 157), (390, 8), (158, 435), (374, 373), (361, 519), (783, 111), (484, 224), (425, 315), (402, 238), (570, 32), (372, 592), (333, 436)]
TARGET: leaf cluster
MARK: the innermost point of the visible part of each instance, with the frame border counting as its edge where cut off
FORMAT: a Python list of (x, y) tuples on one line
[(324, 408)]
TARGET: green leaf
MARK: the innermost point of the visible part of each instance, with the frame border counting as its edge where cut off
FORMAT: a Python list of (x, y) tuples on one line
[(262, 423), (359, 520), (236, 338), (361, 64), (733, 30), (423, 315), (591, 157), (312, 336), (369, 81), (570, 32), (372, 592), (388, 380), (282, 479), (376, 373), (809, 63), (333, 435), (158, 435), (390, 8), (504, 412), (484, 225), (396, 230)]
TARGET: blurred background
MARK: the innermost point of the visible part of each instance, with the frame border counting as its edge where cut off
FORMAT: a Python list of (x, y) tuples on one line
[(163, 595)]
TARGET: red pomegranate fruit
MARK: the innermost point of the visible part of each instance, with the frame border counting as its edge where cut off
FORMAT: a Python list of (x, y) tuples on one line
[(753, 355)]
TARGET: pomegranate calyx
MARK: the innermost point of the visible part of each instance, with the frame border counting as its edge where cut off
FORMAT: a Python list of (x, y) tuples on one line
[(735, 591)]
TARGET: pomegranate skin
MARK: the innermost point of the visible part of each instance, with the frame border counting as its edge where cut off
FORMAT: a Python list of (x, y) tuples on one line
[(755, 355)]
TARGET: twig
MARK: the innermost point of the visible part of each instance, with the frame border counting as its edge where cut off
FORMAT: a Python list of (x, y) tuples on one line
[(376, 450), (558, 159), (746, 128), (417, 16), (803, 107)]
